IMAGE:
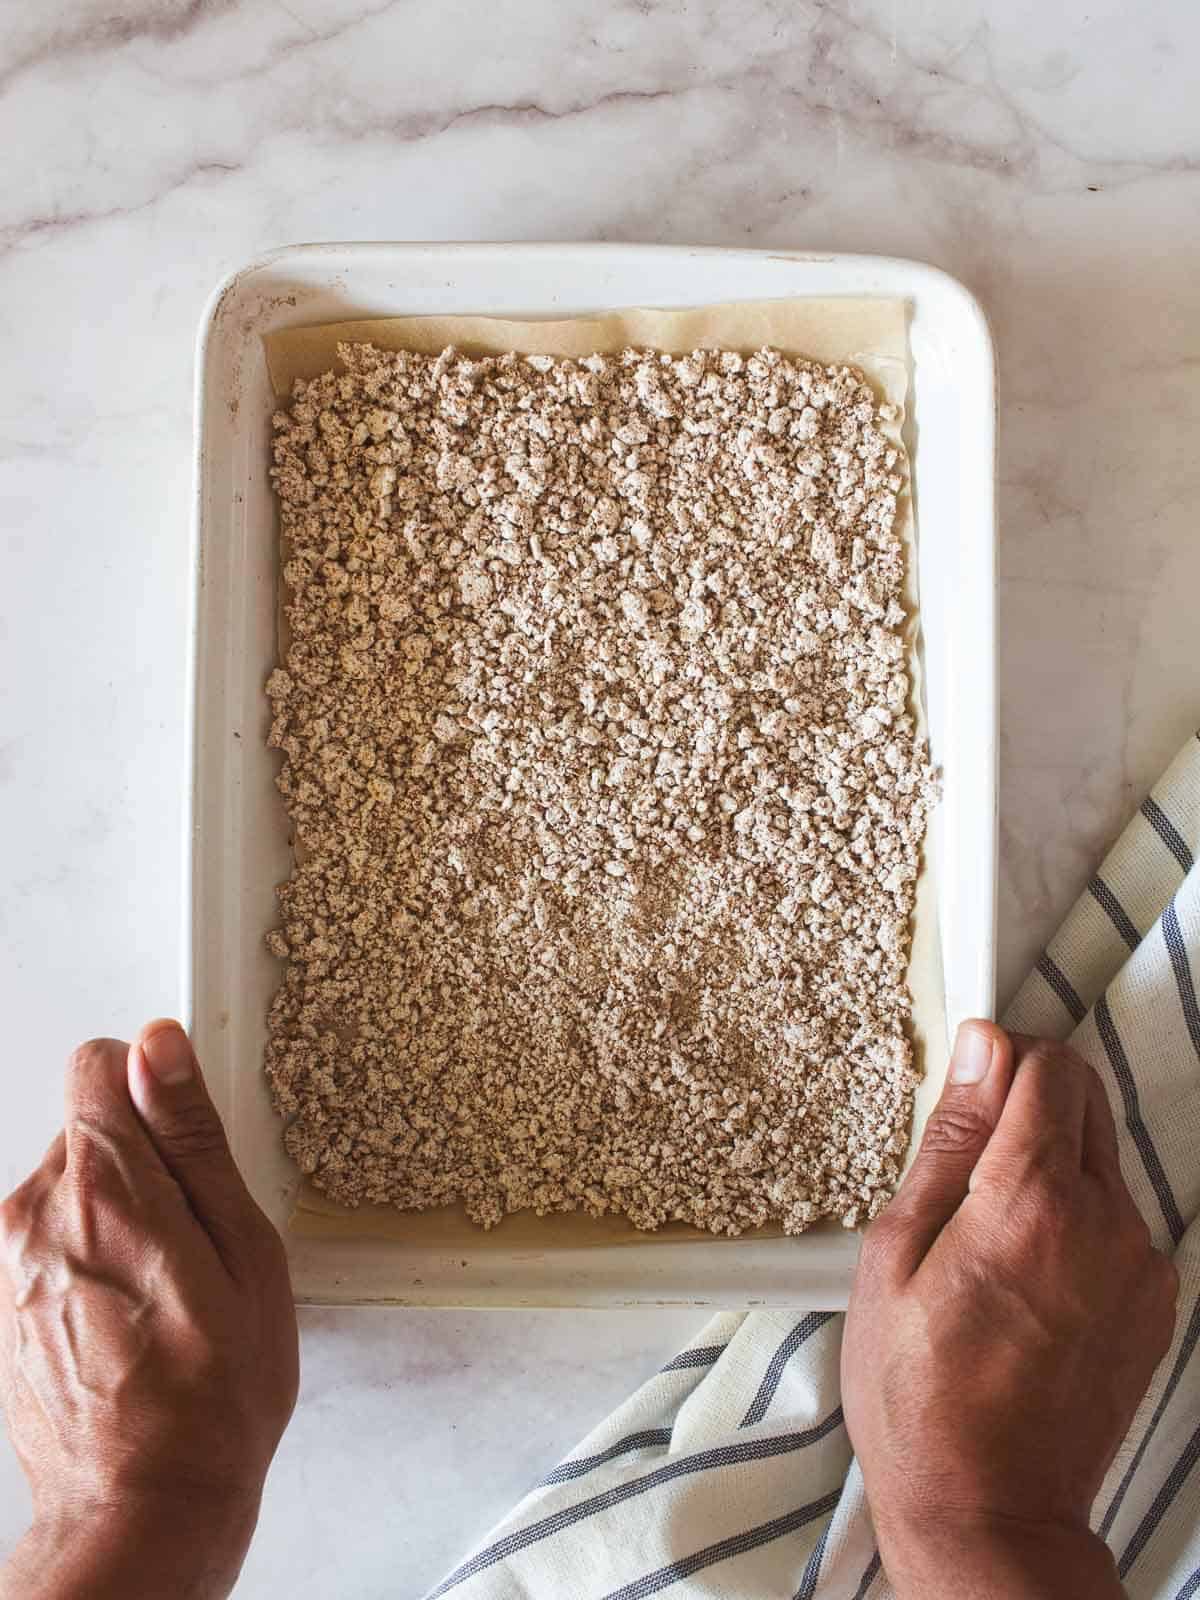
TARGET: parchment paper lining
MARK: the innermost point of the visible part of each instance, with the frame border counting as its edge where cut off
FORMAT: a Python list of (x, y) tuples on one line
[(871, 335)]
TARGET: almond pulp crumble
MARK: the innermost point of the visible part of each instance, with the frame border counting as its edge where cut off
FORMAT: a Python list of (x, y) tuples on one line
[(607, 798)]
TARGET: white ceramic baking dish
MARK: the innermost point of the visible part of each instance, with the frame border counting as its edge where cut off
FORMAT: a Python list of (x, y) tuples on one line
[(237, 840)]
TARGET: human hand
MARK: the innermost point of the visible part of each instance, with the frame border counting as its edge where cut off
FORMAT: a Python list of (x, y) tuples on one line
[(148, 1352), (1007, 1317)]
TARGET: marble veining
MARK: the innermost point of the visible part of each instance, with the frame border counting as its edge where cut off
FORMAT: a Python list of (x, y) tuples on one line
[(1049, 156)]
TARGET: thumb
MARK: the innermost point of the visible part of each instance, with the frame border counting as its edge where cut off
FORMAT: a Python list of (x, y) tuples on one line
[(171, 1099), (956, 1135)]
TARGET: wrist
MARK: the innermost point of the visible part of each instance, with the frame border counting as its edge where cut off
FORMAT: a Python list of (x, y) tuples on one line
[(149, 1545), (997, 1558)]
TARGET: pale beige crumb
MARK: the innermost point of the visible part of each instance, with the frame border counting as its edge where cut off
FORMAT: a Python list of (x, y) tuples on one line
[(596, 746)]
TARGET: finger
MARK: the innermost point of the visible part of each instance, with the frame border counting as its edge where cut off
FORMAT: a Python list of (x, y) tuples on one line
[(55, 1160), (169, 1093), (955, 1137), (101, 1124), (1051, 1110), (1101, 1152), (1043, 1120)]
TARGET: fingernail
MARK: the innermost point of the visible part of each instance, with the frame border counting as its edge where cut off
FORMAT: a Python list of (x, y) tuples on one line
[(168, 1054), (972, 1055)]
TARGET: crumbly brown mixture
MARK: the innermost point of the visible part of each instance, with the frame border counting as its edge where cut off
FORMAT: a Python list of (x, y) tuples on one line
[(609, 804)]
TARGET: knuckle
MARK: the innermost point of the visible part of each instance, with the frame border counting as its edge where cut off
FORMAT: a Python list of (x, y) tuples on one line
[(1049, 1056), (1038, 1222), (1028, 1217), (1055, 1053), (1041, 1051), (1053, 1173), (1050, 1211), (195, 1134), (94, 1056), (984, 1261), (955, 1129)]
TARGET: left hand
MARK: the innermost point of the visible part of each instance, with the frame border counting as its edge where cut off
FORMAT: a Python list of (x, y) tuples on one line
[(148, 1351)]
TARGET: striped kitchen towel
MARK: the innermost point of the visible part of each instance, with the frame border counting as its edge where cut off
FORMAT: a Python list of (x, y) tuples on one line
[(729, 1474)]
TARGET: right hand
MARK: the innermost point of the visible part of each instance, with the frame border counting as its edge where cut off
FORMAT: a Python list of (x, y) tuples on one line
[(148, 1350), (1007, 1317)]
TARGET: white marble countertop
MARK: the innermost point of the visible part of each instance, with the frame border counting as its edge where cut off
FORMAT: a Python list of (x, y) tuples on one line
[(1047, 155)]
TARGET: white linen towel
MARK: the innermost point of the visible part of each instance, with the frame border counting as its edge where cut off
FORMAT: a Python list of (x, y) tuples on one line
[(729, 1474)]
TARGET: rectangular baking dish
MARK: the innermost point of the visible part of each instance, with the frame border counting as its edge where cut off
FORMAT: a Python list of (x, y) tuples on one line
[(237, 838)]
